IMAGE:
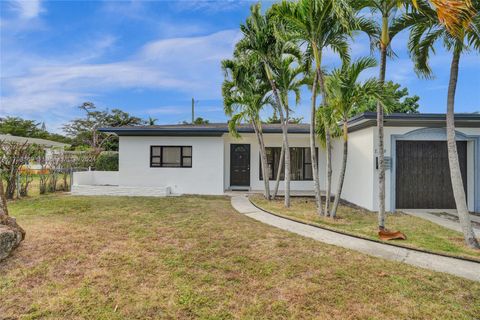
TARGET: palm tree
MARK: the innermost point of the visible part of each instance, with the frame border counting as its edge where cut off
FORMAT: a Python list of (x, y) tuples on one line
[(327, 120), (318, 24), (388, 10), (345, 93), (288, 79), (152, 121), (245, 94), (262, 45), (457, 26)]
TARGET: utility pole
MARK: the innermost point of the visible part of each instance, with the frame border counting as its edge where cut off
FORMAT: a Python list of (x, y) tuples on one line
[(193, 110)]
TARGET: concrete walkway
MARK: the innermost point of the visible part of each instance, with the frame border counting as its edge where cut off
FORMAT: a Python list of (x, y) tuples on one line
[(445, 219), (466, 269)]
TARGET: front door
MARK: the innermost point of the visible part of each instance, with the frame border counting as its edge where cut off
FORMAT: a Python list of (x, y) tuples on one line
[(240, 165)]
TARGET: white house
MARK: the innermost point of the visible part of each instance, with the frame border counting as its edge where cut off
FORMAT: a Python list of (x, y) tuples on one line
[(206, 159)]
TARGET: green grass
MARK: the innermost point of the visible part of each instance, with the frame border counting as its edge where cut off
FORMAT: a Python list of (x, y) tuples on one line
[(196, 258), (420, 233), (34, 185)]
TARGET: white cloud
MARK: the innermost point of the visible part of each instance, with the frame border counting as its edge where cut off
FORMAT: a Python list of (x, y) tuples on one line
[(27, 9), (190, 64)]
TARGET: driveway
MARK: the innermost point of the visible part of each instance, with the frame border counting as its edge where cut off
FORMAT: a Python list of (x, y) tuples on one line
[(445, 218)]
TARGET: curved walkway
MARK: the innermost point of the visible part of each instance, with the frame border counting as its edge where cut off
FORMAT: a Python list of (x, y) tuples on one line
[(462, 268)]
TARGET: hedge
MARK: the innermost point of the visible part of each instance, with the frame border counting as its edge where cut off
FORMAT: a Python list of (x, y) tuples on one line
[(107, 161)]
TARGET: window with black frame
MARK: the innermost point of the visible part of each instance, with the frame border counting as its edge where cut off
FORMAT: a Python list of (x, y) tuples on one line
[(171, 156), (300, 163)]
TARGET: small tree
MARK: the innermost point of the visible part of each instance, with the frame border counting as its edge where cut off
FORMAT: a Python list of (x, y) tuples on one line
[(54, 164), (43, 177), (26, 177), (67, 164), (12, 156)]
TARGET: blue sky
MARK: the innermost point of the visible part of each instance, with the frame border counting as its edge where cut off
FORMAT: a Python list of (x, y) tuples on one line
[(151, 57)]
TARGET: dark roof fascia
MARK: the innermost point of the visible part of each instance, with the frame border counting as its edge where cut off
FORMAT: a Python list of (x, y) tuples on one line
[(162, 132), (186, 132), (429, 120)]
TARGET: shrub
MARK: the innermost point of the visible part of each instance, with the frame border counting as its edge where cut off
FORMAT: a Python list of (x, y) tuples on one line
[(107, 161)]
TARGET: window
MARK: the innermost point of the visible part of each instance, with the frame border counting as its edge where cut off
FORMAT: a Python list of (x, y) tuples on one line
[(171, 156), (300, 164)]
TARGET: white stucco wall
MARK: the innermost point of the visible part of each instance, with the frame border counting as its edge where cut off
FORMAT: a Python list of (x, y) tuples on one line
[(96, 178), (358, 184), (204, 177)]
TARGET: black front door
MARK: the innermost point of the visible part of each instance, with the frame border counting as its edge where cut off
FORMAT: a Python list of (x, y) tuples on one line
[(240, 165)]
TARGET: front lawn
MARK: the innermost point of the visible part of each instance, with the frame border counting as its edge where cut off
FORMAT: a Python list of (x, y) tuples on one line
[(195, 257), (420, 233)]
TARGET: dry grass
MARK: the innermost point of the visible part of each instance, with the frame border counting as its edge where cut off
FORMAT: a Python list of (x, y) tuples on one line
[(195, 257), (420, 233)]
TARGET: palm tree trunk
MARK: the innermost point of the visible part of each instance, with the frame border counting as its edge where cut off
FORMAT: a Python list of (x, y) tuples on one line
[(279, 171), (263, 157), (328, 187), (287, 158), (455, 173), (328, 142), (285, 134), (313, 153), (381, 157), (341, 177)]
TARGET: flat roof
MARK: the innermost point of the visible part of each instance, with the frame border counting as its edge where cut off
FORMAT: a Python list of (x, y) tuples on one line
[(361, 121), (210, 129), (429, 120)]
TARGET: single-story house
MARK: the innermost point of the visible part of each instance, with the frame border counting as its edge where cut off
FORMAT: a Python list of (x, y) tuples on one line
[(207, 159)]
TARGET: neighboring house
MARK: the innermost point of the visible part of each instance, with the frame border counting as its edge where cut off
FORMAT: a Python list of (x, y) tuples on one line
[(207, 159), (50, 147)]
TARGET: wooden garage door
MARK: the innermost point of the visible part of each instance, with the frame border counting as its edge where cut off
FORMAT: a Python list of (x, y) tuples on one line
[(423, 174)]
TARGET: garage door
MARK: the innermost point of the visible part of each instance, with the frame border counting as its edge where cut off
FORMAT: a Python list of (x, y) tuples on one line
[(423, 174)]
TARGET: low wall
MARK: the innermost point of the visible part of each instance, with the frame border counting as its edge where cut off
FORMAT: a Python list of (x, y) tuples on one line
[(105, 183), (96, 178), (91, 190)]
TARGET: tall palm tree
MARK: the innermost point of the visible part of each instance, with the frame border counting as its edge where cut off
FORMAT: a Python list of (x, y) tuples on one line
[(244, 95), (262, 45), (288, 79), (345, 93), (455, 24), (318, 24), (388, 10)]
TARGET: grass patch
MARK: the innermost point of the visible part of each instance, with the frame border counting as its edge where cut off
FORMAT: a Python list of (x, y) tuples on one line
[(421, 234), (196, 258)]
